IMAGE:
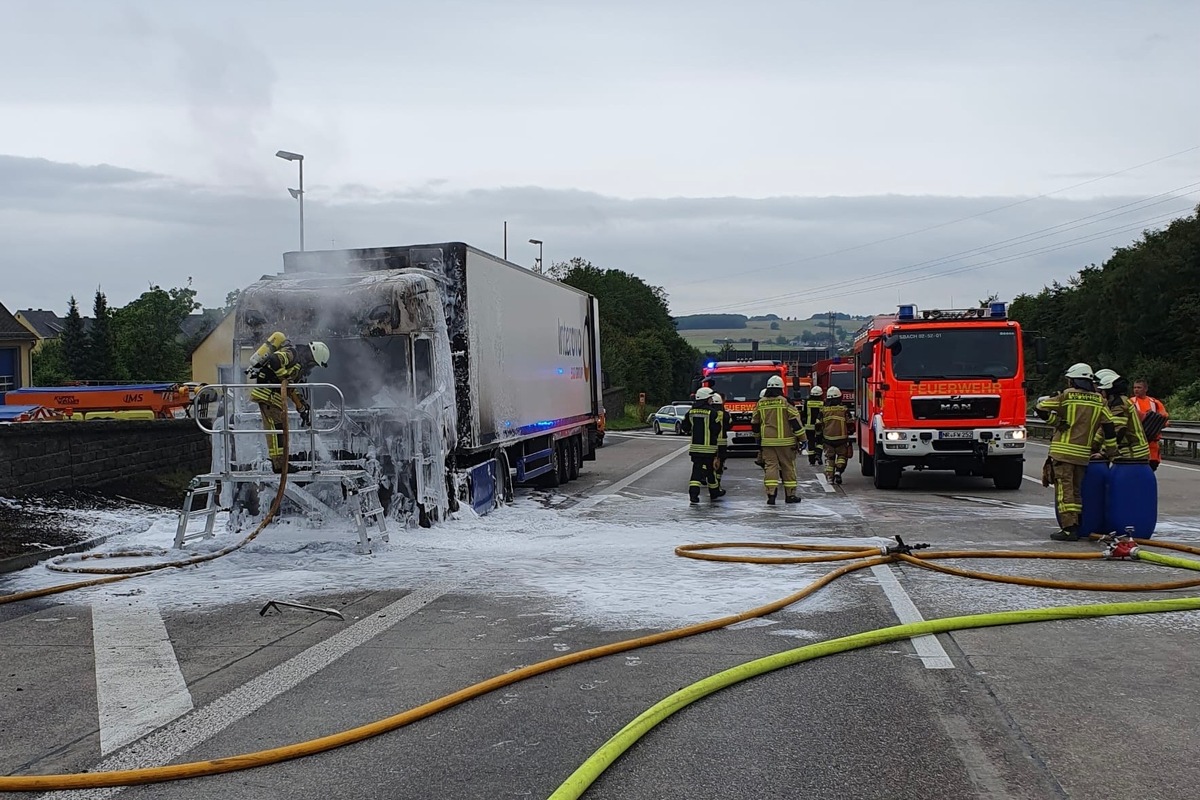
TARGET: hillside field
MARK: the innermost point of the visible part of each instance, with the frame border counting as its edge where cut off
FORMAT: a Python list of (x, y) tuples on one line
[(702, 338)]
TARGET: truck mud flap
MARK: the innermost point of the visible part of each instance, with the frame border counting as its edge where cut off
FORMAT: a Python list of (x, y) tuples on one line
[(484, 486)]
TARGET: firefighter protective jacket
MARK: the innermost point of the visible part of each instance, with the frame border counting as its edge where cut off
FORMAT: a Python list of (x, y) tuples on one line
[(1078, 416), (1131, 437), (776, 422), (812, 412), (704, 424), (287, 362), (835, 424)]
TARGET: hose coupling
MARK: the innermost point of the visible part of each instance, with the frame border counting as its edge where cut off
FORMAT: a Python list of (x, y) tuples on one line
[(900, 548)]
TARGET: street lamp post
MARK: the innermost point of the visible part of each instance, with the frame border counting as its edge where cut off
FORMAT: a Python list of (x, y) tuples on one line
[(538, 267), (297, 193)]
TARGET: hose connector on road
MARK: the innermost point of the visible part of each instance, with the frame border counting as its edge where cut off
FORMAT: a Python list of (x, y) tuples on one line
[(900, 548), (1120, 546)]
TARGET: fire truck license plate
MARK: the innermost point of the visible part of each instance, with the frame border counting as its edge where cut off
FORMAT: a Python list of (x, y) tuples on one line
[(956, 434)]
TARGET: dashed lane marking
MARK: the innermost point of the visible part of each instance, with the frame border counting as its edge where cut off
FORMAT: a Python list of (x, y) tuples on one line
[(930, 650)]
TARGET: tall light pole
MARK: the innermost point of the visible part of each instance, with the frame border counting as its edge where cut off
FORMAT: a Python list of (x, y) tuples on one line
[(297, 193), (538, 267)]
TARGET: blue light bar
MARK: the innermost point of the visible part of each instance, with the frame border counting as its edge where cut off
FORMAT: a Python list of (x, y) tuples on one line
[(907, 312), (998, 310), (712, 364)]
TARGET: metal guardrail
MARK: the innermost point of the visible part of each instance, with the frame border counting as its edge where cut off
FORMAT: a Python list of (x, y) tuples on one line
[(1179, 439)]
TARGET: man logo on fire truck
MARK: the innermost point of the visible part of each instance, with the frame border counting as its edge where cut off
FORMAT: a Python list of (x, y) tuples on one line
[(944, 390)]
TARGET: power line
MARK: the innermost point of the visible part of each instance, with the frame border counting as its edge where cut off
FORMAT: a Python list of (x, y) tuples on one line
[(1042, 233), (948, 223)]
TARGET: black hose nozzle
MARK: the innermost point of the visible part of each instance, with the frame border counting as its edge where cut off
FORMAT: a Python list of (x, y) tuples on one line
[(904, 549)]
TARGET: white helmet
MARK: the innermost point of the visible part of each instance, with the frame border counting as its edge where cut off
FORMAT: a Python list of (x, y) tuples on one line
[(704, 393), (762, 394), (775, 382), (816, 392), (717, 400), (1081, 370), (834, 393), (320, 353), (1106, 378)]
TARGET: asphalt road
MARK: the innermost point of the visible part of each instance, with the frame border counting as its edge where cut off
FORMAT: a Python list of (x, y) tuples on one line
[(1082, 709)]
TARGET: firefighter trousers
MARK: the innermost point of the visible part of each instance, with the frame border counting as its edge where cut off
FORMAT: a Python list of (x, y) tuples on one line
[(272, 419), (781, 469), (814, 446), (836, 454), (703, 476), (1068, 498)]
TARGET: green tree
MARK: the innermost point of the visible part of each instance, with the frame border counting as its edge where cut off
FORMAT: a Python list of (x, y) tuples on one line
[(50, 365), (75, 344), (102, 342), (231, 300), (148, 334)]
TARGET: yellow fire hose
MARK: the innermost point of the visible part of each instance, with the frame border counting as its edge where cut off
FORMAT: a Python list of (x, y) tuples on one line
[(123, 573), (863, 556)]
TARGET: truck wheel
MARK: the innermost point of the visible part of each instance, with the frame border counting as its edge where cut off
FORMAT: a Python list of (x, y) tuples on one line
[(563, 448), (553, 476), (1007, 474), (887, 475), (574, 449), (866, 463)]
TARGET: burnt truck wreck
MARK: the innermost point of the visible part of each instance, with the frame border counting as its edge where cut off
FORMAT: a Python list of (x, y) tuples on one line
[(453, 375)]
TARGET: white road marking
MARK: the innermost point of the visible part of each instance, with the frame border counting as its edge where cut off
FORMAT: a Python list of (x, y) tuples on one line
[(932, 654), (589, 502), (825, 483), (139, 686), (168, 744)]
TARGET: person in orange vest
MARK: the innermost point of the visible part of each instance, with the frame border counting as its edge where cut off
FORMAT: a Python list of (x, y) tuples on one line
[(1145, 404)]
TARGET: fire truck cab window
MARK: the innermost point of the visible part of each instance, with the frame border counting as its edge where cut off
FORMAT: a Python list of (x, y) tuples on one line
[(842, 380), (740, 386), (987, 353)]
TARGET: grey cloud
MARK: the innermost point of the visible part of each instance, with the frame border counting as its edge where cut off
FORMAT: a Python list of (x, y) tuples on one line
[(65, 235)]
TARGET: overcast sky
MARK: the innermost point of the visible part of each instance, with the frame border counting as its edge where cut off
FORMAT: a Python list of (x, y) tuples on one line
[(754, 156)]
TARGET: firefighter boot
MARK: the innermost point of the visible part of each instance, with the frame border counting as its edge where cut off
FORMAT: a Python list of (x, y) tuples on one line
[(716, 494), (277, 464), (1070, 533), (694, 494), (771, 499), (792, 498)]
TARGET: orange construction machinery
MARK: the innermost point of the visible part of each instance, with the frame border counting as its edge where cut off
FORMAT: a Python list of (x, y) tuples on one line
[(941, 389), (739, 383), (149, 400)]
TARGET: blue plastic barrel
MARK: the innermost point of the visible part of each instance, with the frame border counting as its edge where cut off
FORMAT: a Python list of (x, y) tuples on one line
[(1094, 495), (1133, 499)]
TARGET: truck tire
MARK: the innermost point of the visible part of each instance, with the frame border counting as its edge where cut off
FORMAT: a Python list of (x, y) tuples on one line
[(553, 476), (563, 448), (887, 474), (1007, 474), (866, 463), (575, 462)]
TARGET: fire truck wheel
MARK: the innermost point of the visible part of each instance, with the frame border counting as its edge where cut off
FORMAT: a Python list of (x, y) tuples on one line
[(1007, 474), (887, 475), (866, 463)]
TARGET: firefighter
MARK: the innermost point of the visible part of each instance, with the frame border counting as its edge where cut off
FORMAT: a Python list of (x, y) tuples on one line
[(812, 412), (1131, 437), (835, 433), (718, 403), (759, 458), (703, 424), (1077, 415), (293, 362), (777, 424)]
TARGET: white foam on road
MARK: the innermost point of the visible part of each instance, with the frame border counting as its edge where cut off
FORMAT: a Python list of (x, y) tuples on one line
[(139, 686)]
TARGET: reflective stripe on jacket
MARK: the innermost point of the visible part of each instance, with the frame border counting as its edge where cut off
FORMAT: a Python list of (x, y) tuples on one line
[(704, 425), (1078, 418), (812, 410), (776, 422), (835, 424)]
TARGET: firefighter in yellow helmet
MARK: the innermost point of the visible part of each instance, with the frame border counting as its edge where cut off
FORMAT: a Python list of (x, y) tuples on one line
[(1077, 415), (835, 433), (703, 424), (281, 359), (812, 411), (777, 424)]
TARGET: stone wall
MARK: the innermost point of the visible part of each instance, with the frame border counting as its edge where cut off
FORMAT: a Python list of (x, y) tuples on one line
[(40, 457)]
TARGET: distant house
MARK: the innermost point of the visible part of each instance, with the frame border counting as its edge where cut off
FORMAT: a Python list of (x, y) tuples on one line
[(46, 325), (16, 352), (212, 355)]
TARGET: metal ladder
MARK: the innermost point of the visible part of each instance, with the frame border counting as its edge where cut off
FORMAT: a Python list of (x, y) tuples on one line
[(206, 486), (368, 511)]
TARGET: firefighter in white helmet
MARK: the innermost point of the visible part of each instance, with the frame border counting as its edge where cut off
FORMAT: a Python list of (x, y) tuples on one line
[(777, 424), (835, 433), (293, 362), (703, 423), (812, 412), (1078, 415), (718, 404)]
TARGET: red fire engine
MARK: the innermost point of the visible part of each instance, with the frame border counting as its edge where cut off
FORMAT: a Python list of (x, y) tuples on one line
[(943, 389), (739, 383), (839, 372)]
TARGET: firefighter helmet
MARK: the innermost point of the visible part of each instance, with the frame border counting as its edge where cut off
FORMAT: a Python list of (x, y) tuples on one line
[(834, 393), (717, 400), (762, 394), (1106, 378), (775, 382), (704, 393), (320, 353), (816, 392), (1082, 371)]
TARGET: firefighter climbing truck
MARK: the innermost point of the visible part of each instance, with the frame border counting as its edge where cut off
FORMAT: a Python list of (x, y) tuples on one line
[(739, 384), (942, 390)]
